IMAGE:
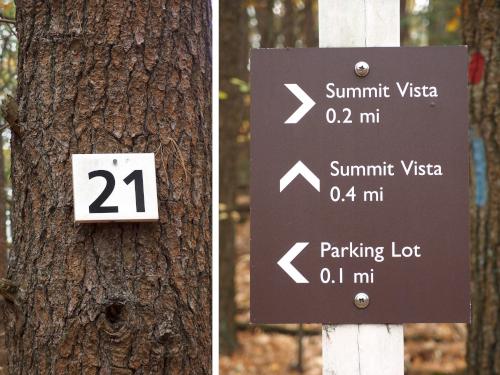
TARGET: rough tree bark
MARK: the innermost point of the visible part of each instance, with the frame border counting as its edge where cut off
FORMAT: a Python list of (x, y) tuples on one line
[(233, 62), (481, 21), (112, 76)]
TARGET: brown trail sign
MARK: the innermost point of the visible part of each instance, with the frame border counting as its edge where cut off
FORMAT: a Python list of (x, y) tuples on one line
[(359, 185)]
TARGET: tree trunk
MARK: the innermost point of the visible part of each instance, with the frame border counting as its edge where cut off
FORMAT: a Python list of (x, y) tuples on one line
[(3, 216), (288, 22), (481, 20), (3, 256), (404, 29), (233, 64), (128, 298), (266, 23), (310, 26)]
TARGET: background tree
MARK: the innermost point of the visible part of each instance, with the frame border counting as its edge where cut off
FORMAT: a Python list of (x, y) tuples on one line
[(481, 25), (3, 210), (310, 23), (8, 65), (233, 75), (111, 298), (246, 24), (404, 27)]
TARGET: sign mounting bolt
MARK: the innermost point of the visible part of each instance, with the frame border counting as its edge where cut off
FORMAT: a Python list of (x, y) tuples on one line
[(361, 69), (361, 300)]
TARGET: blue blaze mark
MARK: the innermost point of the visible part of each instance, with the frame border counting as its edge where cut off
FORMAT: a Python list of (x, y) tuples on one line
[(479, 159)]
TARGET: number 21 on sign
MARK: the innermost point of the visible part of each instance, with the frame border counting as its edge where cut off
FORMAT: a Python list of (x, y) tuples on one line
[(114, 187)]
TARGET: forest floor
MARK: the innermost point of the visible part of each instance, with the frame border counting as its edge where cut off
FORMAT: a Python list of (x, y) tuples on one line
[(430, 349)]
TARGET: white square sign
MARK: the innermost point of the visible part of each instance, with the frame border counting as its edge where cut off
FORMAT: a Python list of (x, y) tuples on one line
[(114, 187)]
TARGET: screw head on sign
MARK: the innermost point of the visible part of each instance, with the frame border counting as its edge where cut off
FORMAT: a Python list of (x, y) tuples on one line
[(361, 300), (361, 69)]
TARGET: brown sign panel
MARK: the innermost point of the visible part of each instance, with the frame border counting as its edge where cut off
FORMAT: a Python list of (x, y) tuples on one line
[(359, 185)]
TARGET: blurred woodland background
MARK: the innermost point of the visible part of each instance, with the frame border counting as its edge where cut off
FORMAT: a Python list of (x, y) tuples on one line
[(429, 348)]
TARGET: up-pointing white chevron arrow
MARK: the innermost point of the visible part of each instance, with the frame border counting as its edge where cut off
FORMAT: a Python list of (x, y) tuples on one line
[(299, 168), (286, 263), (307, 103)]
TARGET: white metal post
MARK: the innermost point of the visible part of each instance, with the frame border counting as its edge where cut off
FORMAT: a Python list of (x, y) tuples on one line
[(365, 349)]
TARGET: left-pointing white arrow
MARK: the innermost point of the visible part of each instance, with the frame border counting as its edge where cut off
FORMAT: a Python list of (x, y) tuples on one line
[(299, 168), (307, 103), (286, 263)]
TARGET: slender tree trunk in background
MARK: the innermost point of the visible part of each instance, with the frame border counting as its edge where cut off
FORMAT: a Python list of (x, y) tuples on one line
[(435, 25), (3, 216), (404, 29), (3, 256), (288, 22), (310, 26), (481, 21), (233, 64), (112, 76), (265, 18)]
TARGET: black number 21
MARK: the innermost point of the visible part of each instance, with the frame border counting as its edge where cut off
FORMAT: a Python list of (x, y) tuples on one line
[(97, 208)]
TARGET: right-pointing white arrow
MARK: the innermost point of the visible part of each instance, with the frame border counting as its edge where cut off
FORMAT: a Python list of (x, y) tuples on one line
[(286, 263), (299, 168), (307, 103)]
